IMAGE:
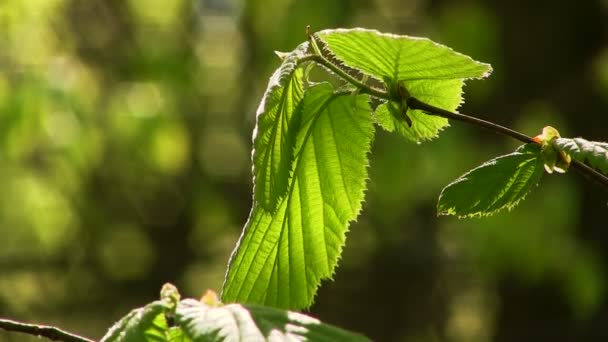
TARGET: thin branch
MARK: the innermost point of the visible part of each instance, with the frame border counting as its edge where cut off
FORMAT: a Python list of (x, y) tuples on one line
[(364, 88), (590, 172), (414, 103), (580, 167), (52, 333)]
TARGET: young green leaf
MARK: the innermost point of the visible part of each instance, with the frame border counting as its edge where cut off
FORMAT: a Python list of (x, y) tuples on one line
[(144, 324), (593, 152), (277, 124), (282, 257), (431, 72), (400, 57), (235, 322), (441, 93), (497, 184)]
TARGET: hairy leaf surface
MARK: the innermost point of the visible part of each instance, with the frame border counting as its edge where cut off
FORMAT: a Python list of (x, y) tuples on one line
[(282, 257), (497, 184), (431, 72), (235, 322), (277, 124), (593, 152)]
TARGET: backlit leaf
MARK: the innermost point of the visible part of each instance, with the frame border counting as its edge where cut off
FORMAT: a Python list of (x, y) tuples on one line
[(145, 324), (431, 72), (277, 124), (282, 257)]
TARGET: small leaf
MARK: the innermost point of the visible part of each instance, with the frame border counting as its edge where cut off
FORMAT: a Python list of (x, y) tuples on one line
[(276, 128), (592, 152), (497, 184), (282, 257), (553, 159), (144, 324), (235, 322), (430, 72)]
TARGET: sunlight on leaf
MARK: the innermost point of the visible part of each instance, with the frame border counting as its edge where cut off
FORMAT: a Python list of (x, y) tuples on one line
[(282, 257), (143, 324), (277, 123), (431, 72)]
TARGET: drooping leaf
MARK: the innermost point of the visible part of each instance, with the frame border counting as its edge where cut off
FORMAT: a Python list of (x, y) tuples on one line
[(282, 257), (431, 72), (144, 324), (592, 152), (497, 184), (277, 124), (235, 322)]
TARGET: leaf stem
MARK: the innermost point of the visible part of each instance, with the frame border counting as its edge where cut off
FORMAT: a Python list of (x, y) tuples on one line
[(52, 333), (364, 88), (582, 168), (414, 103)]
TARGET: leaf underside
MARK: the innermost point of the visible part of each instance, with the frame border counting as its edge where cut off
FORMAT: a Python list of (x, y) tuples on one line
[(236, 322), (497, 184), (282, 256), (593, 152), (195, 321), (431, 72)]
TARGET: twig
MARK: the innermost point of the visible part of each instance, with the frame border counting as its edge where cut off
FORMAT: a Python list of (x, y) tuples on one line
[(580, 167), (52, 333), (590, 172), (414, 103), (364, 88)]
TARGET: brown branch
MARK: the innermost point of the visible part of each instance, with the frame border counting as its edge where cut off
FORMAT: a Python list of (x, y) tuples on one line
[(52, 333)]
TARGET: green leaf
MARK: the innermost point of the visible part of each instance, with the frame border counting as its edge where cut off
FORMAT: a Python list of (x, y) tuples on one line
[(444, 94), (144, 324), (236, 322), (431, 72), (497, 184), (593, 152), (277, 123), (282, 257), (400, 57)]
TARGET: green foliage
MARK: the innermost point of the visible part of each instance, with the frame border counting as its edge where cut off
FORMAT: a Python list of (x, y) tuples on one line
[(209, 320), (282, 257), (497, 184), (400, 57), (235, 322), (277, 124), (593, 152), (143, 324), (310, 148), (431, 72)]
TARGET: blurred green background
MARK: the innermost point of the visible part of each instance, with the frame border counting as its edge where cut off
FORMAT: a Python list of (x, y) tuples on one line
[(125, 136)]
